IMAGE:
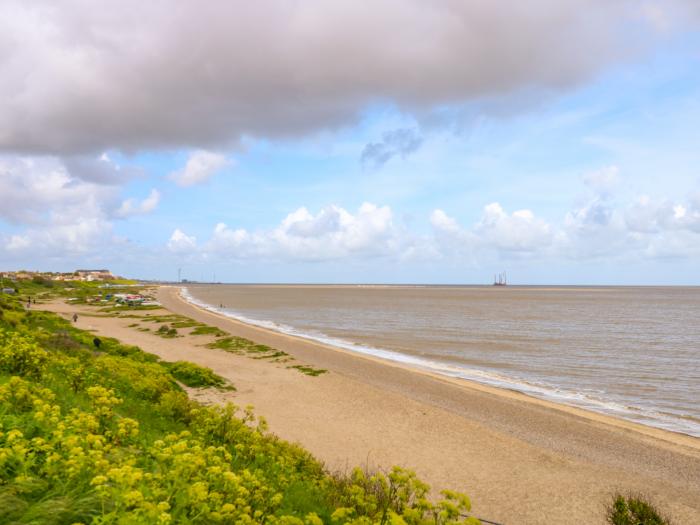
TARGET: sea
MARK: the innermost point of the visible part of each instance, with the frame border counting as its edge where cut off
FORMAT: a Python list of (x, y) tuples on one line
[(630, 352)]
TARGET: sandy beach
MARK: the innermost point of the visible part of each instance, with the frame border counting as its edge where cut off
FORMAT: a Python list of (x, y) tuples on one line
[(521, 460)]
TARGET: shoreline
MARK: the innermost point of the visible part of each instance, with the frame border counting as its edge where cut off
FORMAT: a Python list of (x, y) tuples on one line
[(673, 436), (520, 459)]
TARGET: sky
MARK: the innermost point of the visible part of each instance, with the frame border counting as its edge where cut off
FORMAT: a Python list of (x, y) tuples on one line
[(397, 141)]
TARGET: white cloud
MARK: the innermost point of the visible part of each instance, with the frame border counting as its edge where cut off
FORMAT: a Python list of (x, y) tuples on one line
[(592, 231), (35, 189), (596, 229), (450, 240), (63, 238), (59, 213), (520, 231), (200, 167), (77, 79), (653, 216), (443, 223), (592, 217), (496, 234), (332, 233), (646, 227), (335, 233), (132, 207), (181, 243)]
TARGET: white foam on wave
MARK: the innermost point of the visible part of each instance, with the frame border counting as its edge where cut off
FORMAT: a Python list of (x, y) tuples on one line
[(490, 378)]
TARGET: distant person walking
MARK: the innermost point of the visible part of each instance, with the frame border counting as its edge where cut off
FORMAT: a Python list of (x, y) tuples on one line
[(75, 318), (97, 342)]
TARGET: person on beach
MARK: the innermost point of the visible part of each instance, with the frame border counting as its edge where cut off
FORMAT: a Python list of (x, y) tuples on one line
[(75, 318), (97, 342)]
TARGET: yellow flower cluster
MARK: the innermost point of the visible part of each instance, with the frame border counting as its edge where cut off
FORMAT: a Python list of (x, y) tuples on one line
[(21, 355)]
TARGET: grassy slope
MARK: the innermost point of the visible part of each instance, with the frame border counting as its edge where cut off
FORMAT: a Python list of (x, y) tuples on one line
[(108, 436)]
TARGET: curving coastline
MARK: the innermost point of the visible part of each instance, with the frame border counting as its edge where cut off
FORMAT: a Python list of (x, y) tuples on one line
[(540, 390)]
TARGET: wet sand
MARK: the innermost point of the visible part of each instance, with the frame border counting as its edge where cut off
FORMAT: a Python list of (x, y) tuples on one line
[(521, 460)]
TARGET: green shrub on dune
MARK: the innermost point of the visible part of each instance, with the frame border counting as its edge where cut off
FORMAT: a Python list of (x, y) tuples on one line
[(634, 510), (21, 355), (166, 331), (194, 375)]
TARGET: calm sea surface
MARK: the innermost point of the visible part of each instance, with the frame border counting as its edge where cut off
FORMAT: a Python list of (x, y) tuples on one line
[(629, 352)]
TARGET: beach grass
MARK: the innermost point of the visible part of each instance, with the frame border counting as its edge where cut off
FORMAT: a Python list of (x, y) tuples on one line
[(309, 370), (634, 509), (167, 332), (203, 329)]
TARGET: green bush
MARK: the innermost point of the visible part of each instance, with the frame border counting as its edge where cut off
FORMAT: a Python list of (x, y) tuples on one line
[(147, 381), (166, 331), (634, 510), (177, 405), (194, 375), (21, 355)]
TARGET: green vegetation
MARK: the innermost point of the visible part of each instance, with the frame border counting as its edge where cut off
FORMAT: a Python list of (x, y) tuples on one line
[(242, 346), (118, 309), (634, 510), (189, 323), (166, 331), (233, 344), (108, 437), (309, 370), (180, 321), (203, 329), (169, 318), (194, 375)]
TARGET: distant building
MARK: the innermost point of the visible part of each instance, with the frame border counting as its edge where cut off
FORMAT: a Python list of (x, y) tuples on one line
[(94, 275), (78, 275)]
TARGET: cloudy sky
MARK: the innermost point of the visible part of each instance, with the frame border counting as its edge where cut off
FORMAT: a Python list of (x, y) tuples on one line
[(384, 141)]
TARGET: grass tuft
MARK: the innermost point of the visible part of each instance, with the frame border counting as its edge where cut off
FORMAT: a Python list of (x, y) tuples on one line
[(167, 332), (634, 509), (203, 329), (309, 370)]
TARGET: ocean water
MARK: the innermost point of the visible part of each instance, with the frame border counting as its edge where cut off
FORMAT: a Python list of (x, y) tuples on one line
[(631, 352)]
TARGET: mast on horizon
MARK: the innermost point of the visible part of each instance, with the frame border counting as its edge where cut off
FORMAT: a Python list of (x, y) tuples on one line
[(500, 279)]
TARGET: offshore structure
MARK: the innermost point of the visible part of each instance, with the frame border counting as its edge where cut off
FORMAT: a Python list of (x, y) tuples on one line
[(500, 279)]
